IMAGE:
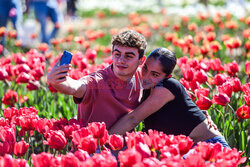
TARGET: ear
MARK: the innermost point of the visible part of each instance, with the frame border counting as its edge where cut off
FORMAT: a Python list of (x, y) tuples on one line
[(142, 60)]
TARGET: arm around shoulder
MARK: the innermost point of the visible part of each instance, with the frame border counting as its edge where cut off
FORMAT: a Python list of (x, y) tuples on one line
[(158, 98)]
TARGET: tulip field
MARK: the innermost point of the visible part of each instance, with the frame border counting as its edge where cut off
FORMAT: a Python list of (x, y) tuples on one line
[(38, 125)]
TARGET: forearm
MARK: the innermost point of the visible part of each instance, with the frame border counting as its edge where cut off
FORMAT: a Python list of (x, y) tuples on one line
[(71, 87), (123, 125)]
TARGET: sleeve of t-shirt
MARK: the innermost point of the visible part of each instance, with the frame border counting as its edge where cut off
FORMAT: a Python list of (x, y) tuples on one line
[(172, 85), (91, 90)]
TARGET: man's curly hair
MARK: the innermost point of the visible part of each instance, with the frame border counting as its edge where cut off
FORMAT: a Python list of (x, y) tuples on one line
[(131, 38)]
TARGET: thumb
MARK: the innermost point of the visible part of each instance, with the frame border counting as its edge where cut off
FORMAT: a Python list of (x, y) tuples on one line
[(58, 61)]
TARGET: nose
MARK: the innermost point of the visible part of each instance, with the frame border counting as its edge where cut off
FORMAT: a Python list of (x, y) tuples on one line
[(121, 60)]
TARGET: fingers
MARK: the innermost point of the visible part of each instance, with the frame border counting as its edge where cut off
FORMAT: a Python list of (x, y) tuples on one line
[(60, 80), (61, 70)]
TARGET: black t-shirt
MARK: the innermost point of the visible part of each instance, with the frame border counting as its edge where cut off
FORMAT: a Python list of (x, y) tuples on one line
[(179, 116)]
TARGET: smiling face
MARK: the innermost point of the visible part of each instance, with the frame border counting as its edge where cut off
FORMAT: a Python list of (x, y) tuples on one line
[(125, 61), (152, 73)]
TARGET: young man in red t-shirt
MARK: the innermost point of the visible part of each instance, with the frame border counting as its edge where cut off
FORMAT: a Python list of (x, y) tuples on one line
[(108, 94)]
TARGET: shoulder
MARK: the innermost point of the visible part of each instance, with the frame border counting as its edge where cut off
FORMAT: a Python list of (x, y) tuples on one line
[(98, 75), (172, 84), (169, 82)]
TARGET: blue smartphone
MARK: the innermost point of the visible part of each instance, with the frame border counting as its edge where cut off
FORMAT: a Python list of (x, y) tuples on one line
[(66, 58)]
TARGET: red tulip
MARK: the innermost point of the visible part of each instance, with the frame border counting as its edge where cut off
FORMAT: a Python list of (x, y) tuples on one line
[(41, 160), (215, 46), (56, 139), (134, 138), (202, 91), (19, 58), (203, 102), (247, 100), (243, 112), (232, 68), (226, 88), (97, 129), (8, 134), (219, 79), (116, 142), (6, 148), (211, 36), (208, 151), (104, 139), (10, 112), (246, 88), (81, 155), (23, 78), (143, 150), (7, 160), (221, 99), (4, 122), (68, 131), (3, 74), (200, 76), (22, 68), (236, 84), (41, 124), (10, 98), (70, 160), (79, 134), (103, 159), (33, 85), (37, 73), (27, 122), (184, 83), (21, 148), (193, 85), (129, 157), (184, 143), (88, 144), (216, 65)]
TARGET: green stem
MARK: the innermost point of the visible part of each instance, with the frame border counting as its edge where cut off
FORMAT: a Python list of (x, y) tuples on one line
[(100, 149), (209, 86), (27, 140), (31, 143), (223, 119)]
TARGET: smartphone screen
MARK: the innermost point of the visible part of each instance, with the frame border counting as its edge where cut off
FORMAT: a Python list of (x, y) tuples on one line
[(66, 58)]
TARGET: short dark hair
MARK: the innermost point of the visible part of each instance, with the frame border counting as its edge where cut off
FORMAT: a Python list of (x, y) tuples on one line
[(131, 38), (166, 58)]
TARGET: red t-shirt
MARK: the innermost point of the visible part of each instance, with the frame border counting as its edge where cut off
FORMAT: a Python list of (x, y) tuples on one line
[(107, 98)]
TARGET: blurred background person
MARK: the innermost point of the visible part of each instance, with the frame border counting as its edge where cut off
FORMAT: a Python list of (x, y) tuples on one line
[(10, 9), (46, 9), (71, 8)]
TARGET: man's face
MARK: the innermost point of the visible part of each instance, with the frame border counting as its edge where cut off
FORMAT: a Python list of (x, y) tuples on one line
[(125, 61)]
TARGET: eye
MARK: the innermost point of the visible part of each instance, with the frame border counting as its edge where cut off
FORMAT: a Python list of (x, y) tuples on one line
[(155, 75), (144, 67), (129, 56), (117, 54)]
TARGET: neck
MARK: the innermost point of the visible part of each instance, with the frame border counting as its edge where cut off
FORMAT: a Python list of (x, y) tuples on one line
[(123, 78)]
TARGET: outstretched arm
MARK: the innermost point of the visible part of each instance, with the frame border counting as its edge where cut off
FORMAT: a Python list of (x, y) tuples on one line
[(59, 79), (158, 98)]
